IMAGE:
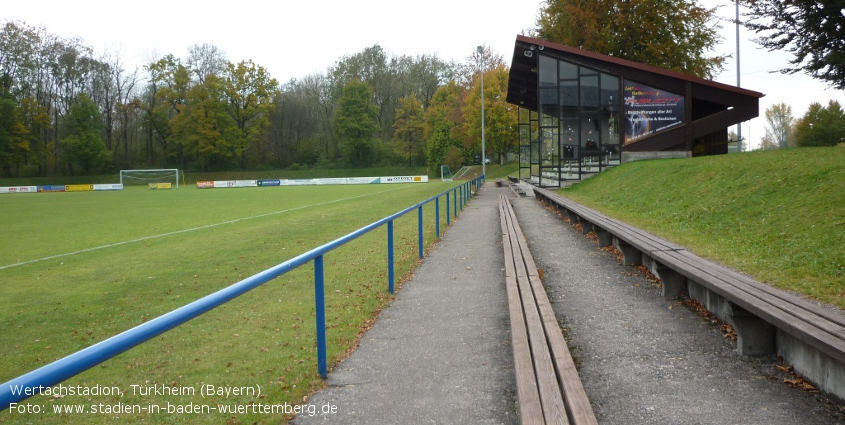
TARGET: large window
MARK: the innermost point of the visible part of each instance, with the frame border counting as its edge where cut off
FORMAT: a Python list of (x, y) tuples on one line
[(577, 125)]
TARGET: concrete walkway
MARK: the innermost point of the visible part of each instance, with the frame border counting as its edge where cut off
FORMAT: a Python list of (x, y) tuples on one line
[(440, 353), (647, 360)]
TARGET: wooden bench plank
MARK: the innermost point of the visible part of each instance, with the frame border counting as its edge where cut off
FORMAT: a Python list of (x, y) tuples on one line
[(561, 392), (578, 407), (528, 396), (806, 321), (640, 239), (551, 398), (805, 324)]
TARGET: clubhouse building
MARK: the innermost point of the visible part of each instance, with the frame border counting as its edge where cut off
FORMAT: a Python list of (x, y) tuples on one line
[(582, 112)]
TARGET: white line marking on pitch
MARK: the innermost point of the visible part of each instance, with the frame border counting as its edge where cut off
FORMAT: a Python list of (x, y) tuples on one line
[(81, 251)]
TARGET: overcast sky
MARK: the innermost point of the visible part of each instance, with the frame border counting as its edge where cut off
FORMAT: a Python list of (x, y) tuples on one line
[(294, 39)]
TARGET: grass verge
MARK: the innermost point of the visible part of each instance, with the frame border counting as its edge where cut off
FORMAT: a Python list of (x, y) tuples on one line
[(777, 215)]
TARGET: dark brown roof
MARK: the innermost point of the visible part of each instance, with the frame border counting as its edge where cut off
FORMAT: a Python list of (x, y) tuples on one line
[(522, 85)]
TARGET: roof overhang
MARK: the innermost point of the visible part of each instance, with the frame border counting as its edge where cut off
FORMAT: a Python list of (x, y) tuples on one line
[(726, 105)]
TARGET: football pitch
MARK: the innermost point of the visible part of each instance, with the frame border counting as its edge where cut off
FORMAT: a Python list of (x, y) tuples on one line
[(77, 268)]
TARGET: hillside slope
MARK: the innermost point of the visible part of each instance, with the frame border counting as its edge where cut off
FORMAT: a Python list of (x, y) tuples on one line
[(778, 215)]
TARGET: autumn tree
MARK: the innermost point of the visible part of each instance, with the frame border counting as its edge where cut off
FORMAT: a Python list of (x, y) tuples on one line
[(170, 82), (500, 120), (203, 126), (249, 93), (779, 122), (821, 126), (811, 30), (671, 34), (408, 127), (13, 146), (441, 124), (355, 123)]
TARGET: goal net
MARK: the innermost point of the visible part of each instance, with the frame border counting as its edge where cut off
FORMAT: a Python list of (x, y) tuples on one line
[(445, 173), (153, 179)]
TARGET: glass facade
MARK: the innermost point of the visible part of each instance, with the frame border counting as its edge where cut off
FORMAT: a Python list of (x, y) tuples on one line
[(575, 131)]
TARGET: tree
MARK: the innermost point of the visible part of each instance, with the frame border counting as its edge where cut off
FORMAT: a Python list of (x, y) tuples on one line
[(671, 34), (249, 95), (317, 90), (204, 127), (812, 30), (821, 126), (170, 83), (376, 68), (779, 122), (292, 132), (204, 60), (355, 123), (117, 103), (82, 144), (454, 158), (501, 122), (13, 143), (408, 126), (441, 123)]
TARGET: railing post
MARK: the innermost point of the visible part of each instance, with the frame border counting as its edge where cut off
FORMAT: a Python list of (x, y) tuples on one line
[(448, 209), (455, 199), (320, 307), (420, 228), (437, 216), (390, 277)]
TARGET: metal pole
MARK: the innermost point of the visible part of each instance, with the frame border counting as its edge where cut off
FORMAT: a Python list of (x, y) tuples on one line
[(420, 228), (437, 215), (738, 126), (483, 148), (390, 272), (320, 307), (448, 209)]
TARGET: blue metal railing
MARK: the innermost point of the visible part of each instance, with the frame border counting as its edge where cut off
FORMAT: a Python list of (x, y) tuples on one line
[(34, 382)]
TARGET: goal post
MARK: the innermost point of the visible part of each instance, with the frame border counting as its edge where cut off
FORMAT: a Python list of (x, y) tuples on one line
[(445, 173), (163, 178)]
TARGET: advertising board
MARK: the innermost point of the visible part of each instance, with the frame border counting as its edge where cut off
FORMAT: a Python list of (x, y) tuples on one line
[(650, 110)]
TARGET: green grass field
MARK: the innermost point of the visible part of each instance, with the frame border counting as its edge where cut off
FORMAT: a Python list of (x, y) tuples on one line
[(776, 215), (76, 268)]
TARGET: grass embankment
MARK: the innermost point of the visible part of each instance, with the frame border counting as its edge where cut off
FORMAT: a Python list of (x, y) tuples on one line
[(778, 216), (159, 250)]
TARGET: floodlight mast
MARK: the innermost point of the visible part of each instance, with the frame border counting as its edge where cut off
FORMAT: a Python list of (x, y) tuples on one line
[(738, 126), (483, 150)]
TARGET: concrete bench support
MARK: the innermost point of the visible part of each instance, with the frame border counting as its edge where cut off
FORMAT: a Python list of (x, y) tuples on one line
[(674, 283), (605, 237), (630, 254), (573, 218), (586, 226), (754, 336)]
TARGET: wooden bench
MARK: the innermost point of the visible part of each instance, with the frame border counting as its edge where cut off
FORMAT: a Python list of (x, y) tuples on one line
[(549, 389), (766, 320)]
